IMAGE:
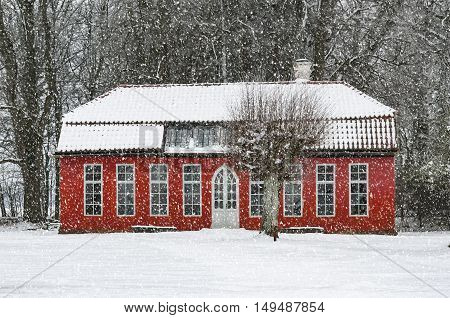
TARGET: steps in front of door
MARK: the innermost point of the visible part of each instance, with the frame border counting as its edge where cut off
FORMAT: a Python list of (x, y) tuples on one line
[(152, 229), (301, 230)]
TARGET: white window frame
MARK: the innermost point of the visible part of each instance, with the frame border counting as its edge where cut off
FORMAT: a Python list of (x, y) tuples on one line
[(350, 188), (325, 182), (252, 182), (92, 182), (300, 182), (159, 182), (126, 182), (192, 182)]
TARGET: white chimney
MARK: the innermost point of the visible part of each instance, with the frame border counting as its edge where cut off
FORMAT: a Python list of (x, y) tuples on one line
[(302, 70)]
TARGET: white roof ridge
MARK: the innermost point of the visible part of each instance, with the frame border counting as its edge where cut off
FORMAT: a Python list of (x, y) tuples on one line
[(160, 122), (310, 82)]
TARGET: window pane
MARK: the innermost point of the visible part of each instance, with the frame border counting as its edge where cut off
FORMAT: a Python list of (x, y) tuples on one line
[(329, 210), (97, 188), (89, 199), (363, 199), (97, 199), (129, 187), (329, 177), (354, 199), (321, 199), (89, 209), (329, 188), (321, 209), (129, 199), (89, 188), (130, 210), (187, 169), (362, 188), (321, 188), (196, 187), (363, 209)]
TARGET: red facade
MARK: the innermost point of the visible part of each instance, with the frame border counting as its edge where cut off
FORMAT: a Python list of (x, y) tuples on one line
[(381, 193)]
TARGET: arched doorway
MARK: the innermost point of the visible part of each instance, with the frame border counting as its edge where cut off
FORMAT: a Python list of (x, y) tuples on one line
[(225, 199)]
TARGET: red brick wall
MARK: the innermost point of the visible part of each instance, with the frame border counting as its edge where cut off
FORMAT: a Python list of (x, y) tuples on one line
[(381, 196)]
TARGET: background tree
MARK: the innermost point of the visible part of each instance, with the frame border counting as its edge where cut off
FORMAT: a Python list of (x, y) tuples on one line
[(58, 54), (271, 127)]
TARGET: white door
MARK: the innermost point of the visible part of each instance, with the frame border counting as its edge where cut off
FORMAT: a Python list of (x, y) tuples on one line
[(225, 213)]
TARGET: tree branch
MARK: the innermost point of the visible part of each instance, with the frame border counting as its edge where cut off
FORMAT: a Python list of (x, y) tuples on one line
[(10, 160)]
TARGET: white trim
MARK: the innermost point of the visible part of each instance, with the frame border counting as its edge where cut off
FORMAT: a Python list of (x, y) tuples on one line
[(201, 188), (350, 189), (301, 193), (250, 196), (326, 182), (159, 182), (223, 167), (92, 182), (117, 189)]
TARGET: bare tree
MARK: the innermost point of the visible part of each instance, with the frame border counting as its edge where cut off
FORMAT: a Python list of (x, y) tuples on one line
[(271, 127), (2, 203)]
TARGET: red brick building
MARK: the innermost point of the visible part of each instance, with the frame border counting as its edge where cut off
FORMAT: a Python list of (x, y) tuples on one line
[(156, 156)]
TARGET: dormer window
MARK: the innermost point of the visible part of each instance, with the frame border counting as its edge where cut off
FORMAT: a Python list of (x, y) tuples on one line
[(196, 136)]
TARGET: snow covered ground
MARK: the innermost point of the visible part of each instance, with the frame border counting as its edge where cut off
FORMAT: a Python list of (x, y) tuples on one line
[(223, 263)]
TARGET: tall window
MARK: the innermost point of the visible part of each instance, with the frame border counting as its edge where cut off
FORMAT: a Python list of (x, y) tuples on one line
[(358, 189), (256, 197), (293, 192), (192, 190), (325, 190), (93, 189), (158, 189), (125, 189)]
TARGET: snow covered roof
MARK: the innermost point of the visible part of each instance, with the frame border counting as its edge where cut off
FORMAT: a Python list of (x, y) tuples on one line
[(211, 102), (131, 117), (110, 137), (360, 134)]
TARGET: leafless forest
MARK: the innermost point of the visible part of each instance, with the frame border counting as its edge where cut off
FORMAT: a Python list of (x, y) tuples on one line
[(57, 54)]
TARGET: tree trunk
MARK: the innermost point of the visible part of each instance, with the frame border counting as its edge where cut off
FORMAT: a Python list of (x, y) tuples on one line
[(269, 220), (224, 43), (2, 203), (32, 173), (12, 203), (320, 38)]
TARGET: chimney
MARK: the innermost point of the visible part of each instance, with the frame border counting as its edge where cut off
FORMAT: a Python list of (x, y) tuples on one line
[(302, 70)]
